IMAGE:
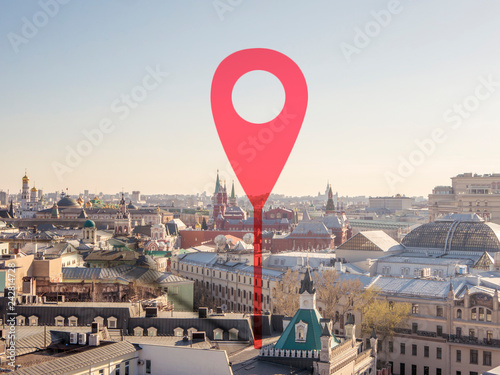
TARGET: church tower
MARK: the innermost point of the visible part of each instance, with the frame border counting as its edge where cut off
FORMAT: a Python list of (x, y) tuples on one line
[(89, 232), (25, 192), (123, 223), (220, 199), (330, 206), (232, 199)]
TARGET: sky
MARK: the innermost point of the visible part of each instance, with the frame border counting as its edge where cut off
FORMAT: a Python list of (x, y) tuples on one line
[(403, 94)]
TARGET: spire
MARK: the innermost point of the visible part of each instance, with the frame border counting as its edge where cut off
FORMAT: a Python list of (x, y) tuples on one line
[(233, 196), (326, 331), (307, 285), (11, 209), (217, 183), (330, 206)]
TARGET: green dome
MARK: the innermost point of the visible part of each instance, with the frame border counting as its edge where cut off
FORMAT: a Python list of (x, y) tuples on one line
[(89, 224)]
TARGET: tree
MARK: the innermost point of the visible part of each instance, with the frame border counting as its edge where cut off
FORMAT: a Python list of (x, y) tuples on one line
[(286, 294), (204, 225), (338, 297), (202, 296), (385, 316)]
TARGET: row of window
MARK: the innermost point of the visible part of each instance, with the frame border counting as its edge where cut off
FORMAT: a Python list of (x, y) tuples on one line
[(474, 357), (477, 313), (473, 354), (414, 350), (244, 278), (61, 321)]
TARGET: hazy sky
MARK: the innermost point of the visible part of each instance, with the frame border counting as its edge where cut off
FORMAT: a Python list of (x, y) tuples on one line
[(64, 70)]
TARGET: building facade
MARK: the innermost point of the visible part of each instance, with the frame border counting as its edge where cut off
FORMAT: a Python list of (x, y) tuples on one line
[(468, 193)]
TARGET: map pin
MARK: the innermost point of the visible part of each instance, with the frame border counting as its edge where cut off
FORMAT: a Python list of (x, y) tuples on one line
[(258, 152)]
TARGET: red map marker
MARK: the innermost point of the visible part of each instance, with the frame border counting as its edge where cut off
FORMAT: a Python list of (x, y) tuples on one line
[(258, 152)]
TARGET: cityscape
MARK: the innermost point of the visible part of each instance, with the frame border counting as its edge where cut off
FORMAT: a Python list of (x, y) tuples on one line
[(242, 188)]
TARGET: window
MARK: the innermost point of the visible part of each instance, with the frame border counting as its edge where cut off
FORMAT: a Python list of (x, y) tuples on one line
[(459, 314), (439, 311), (138, 331), (233, 334), (459, 332), (472, 333), (486, 358), (403, 348), (218, 334), (473, 356), (148, 366), (300, 331), (439, 353), (459, 356), (481, 314), (413, 349), (127, 368), (391, 347), (178, 332), (59, 321), (112, 322), (414, 328), (426, 351), (413, 369), (426, 370), (439, 330), (474, 314), (438, 371), (414, 308), (152, 331), (488, 315), (489, 336), (73, 321)]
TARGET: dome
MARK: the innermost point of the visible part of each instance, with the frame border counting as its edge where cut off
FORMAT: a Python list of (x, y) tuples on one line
[(455, 233), (67, 202), (34, 189), (89, 224)]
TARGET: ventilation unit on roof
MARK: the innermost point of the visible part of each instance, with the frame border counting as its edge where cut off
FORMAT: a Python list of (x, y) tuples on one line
[(82, 338), (73, 338)]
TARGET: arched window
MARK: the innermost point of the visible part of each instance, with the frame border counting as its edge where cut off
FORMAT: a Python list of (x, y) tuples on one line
[(481, 314), (459, 314), (474, 314)]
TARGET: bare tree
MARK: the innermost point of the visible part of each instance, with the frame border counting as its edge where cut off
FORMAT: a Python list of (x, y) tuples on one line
[(286, 294), (338, 297), (202, 297)]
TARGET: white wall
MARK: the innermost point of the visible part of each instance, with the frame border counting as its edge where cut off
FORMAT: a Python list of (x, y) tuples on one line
[(183, 360)]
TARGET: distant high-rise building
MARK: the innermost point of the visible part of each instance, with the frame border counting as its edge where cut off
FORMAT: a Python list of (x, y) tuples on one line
[(136, 196), (4, 198)]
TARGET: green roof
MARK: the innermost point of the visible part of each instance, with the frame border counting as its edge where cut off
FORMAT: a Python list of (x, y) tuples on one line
[(313, 336), (89, 224)]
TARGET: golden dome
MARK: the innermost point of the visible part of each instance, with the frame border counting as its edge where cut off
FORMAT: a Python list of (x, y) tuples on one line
[(25, 178), (34, 189)]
